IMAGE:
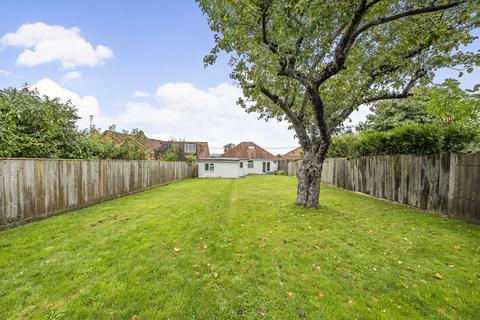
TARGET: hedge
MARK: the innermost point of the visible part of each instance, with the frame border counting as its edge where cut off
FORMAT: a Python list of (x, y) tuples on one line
[(408, 139)]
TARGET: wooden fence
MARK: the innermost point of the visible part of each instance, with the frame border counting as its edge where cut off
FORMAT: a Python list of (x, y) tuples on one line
[(445, 183), (35, 188)]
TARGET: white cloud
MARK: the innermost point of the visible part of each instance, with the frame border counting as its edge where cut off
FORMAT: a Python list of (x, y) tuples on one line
[(5, 73), (72, 75), (358, 116), (45, 43), (141, 94), (86, 105), (184, 111)]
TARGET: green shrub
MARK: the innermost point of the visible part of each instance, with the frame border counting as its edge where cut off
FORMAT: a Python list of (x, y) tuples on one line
[(342, 146), (415, 139), (408, 139), (461, 138), (280, 172), (372, 143)]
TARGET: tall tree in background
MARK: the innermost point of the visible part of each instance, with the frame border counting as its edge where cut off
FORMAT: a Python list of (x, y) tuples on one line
[(450, 104), (313, 62), (443, 104), (389, 114), (228, 146), (35, 126)]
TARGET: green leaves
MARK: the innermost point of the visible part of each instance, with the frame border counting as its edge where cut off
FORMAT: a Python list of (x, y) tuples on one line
[(35, 126), (32, 126), (273, 43)]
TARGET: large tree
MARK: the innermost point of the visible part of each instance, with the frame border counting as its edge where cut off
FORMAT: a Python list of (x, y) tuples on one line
[(313, 62), (389, 114), (445, 104), (35, 126)]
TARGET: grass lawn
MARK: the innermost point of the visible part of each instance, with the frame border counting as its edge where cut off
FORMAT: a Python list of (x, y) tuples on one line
[(220, 249)]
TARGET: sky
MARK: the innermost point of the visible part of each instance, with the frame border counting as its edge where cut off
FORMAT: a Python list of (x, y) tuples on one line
[(136, 64)]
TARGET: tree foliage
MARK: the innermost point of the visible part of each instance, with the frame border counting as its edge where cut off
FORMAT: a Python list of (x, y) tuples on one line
[(228, 146), (449, 103), (408, 139), (390, 114), (445, 103), (312, 63), (35, 126)]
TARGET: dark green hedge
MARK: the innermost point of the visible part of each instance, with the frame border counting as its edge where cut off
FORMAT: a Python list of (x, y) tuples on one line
[(408, 139)]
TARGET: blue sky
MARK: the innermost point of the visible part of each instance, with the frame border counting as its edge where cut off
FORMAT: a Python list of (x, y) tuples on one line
[(155, 47)]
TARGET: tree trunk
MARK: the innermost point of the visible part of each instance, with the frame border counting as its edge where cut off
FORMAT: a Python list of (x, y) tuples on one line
[(309, 177)]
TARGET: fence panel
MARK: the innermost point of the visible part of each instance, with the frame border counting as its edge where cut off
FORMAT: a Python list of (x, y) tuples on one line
[(446, 183), (35, 188)]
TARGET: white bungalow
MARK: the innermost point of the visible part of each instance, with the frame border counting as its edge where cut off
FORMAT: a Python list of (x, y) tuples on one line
[(245, 158)]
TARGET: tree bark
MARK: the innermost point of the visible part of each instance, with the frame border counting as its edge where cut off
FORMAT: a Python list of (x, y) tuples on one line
[(309, 177)]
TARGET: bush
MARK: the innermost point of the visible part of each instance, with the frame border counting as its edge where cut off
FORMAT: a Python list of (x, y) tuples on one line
[(415, 139), (408, 139), (342, 146), (280, 172), (372, 143), (462, 138)]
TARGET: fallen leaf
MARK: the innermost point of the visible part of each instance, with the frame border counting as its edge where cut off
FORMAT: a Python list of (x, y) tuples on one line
[(215, 275), (290, 294), (457, 247), (350, 301), (261, 312), (321, 294), (438, 276), (301, 313)]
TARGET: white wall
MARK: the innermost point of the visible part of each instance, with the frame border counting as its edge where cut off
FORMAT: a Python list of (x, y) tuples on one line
[(225, 169), (244, 170), (258, 166)]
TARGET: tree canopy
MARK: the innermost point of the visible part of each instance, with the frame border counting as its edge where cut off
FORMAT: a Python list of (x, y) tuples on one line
[(35, 126), (443, 104), (312, 62)]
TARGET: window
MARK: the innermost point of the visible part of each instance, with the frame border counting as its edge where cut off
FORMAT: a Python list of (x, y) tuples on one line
[(250, 164), (241, 164), (190, 148), (206, 166), (251, 147), (268, 166), (211, 167)]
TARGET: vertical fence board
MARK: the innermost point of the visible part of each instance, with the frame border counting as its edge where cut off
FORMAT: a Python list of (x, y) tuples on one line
[(35, 188), (445, 183)]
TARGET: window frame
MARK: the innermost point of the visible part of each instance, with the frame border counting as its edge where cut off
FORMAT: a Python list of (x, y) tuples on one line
[(252, 164), (190, 148)]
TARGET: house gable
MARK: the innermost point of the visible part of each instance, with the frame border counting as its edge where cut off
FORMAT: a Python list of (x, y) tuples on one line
[(249, 150)]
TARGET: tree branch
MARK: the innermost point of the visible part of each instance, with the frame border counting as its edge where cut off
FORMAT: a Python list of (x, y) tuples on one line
[(353, 31), (405, 93), (404, 14), (271, 45), (344, 45), (297, 124)]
